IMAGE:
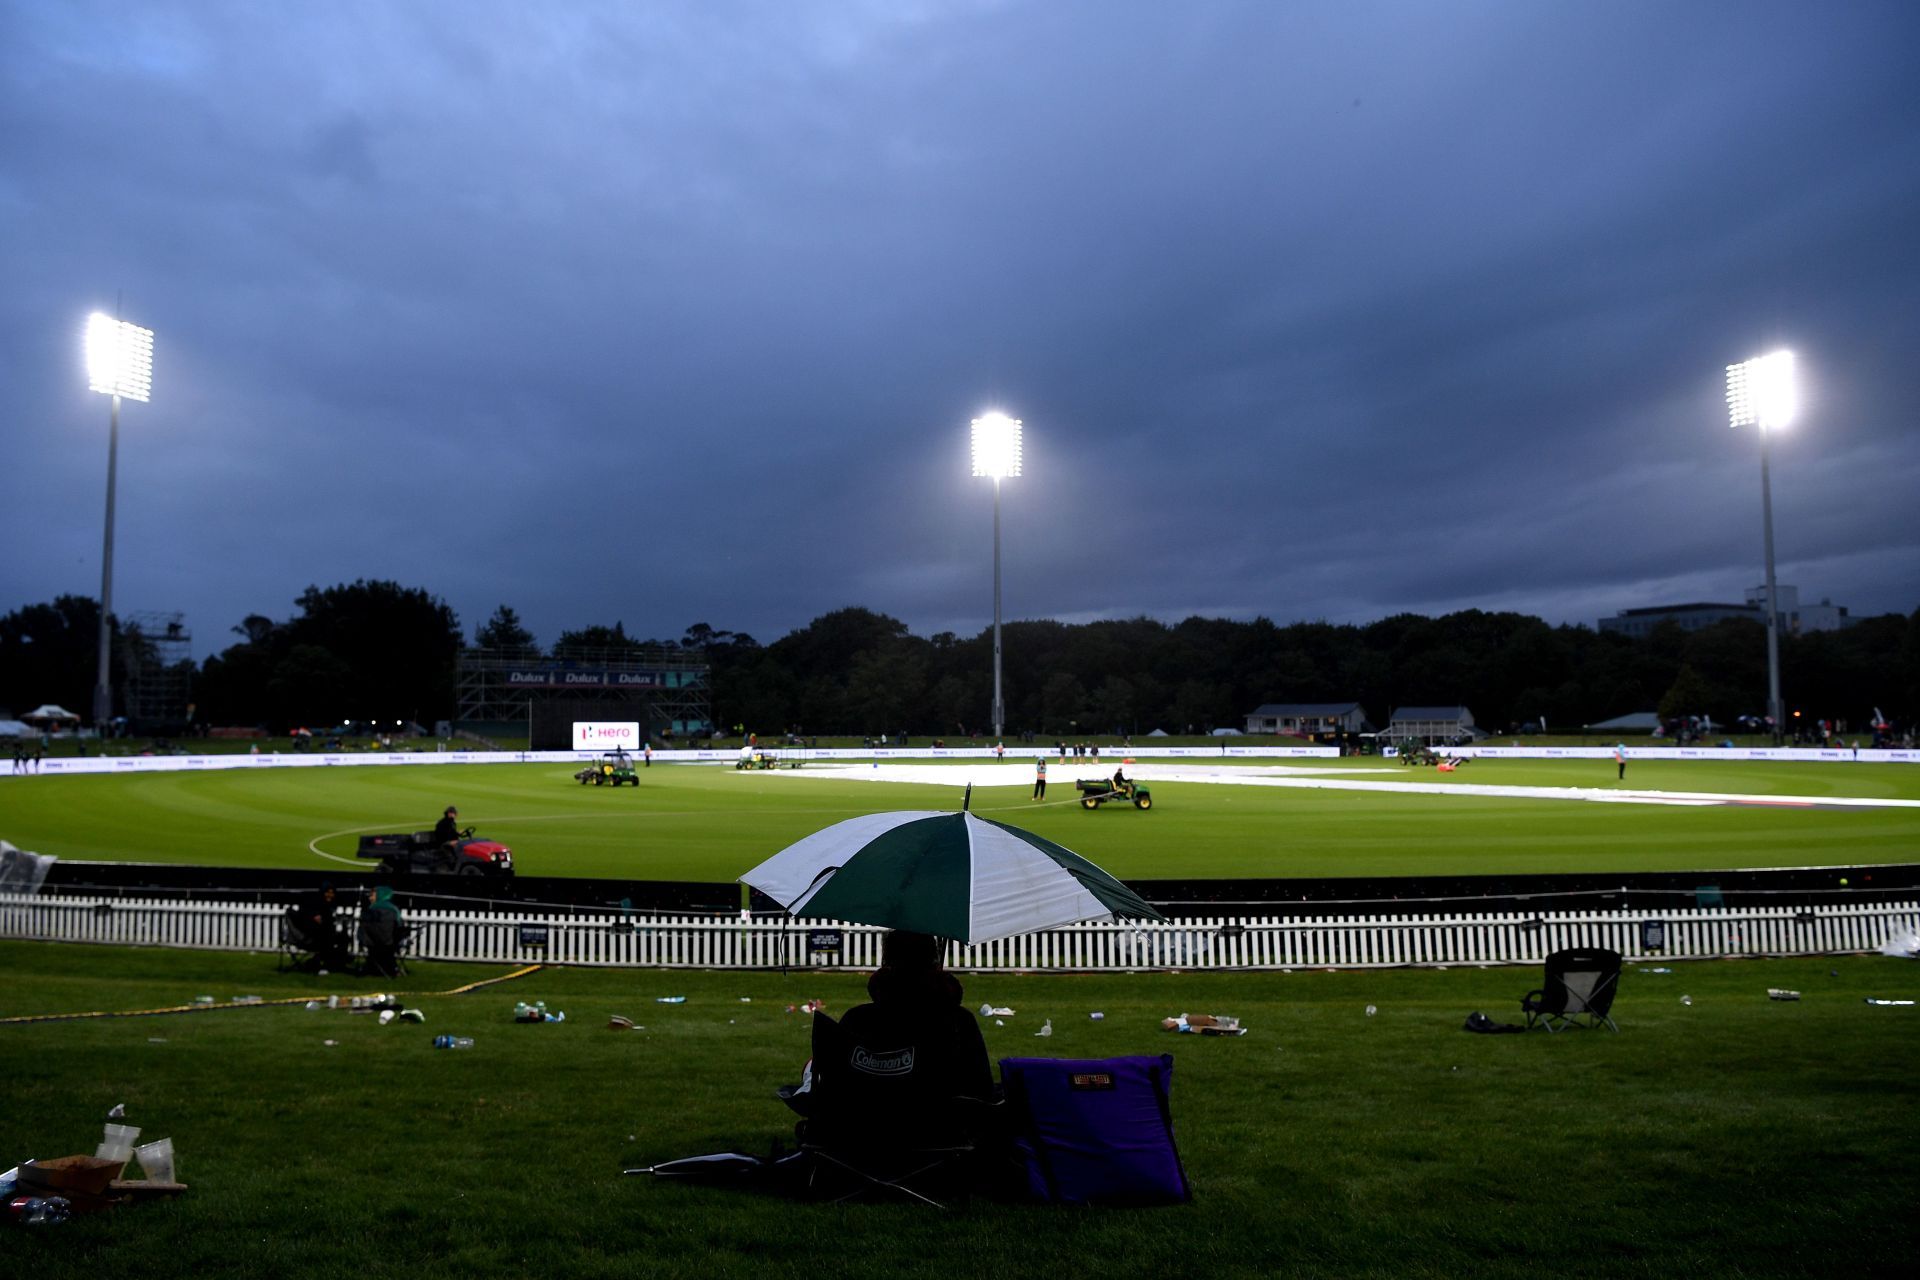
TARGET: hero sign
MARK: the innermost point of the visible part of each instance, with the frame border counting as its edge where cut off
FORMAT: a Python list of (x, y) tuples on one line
[(605, 735)]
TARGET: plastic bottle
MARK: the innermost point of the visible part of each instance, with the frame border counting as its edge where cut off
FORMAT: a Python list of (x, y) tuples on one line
[(453, 1042), (38, 1211)]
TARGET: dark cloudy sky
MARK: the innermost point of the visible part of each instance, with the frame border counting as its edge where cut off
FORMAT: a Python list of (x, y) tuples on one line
[(678, 312)]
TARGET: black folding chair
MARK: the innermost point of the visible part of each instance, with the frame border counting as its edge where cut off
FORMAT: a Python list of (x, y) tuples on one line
[(1580, 984), (882, 1120), (313, 937), (384, 938)]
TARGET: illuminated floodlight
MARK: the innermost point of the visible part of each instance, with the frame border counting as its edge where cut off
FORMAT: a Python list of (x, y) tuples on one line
[(1761, 392), (119, 357), (996, 446)]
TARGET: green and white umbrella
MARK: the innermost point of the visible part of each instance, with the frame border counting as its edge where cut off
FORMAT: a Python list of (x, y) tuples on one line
[(954, 875)]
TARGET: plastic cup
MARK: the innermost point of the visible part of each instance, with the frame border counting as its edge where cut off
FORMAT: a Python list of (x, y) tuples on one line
[(119, 1135), (156, 1160), (108, 1151)]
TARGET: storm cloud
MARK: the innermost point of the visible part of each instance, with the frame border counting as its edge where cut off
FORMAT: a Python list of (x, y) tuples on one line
[(678, 312)]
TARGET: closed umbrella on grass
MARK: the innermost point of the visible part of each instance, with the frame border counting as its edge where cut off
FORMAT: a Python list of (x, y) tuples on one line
[(953, 875)]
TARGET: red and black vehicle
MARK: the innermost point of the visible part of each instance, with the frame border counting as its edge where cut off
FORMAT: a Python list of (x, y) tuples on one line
[(418, 853)]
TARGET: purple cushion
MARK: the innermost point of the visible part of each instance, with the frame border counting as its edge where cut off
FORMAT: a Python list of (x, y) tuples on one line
[(1096, 1131)]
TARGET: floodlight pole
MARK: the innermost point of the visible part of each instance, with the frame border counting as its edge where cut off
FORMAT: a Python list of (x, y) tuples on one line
[(999, 705), (1761, 394), (102, 684), (996, 453), (1775, 707)]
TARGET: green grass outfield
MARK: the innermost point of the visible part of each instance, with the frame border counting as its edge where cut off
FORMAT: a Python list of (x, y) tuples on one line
[(704, 823), (1734, 1136)]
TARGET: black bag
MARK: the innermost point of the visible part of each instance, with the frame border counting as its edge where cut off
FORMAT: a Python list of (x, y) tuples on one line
[(1483, 1025)]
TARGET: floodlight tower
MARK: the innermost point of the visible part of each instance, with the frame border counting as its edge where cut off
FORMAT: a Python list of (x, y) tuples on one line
[(119, 363), (996, 453), (1761, 393)]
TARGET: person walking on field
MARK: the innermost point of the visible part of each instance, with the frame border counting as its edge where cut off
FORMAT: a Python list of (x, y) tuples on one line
[(1620, 759), (1040, 778)]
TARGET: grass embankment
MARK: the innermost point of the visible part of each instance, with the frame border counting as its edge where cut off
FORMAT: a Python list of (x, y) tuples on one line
[(1732, 1136), (705, 823)]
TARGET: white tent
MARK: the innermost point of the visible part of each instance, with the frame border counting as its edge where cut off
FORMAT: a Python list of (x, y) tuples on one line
[(1640, 721), (51, 711)]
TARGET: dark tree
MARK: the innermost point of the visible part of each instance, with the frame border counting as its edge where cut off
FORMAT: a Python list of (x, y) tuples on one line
[(50, 652), (503, 634)]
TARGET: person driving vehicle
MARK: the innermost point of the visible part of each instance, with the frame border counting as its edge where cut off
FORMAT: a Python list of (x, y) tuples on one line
[(446, 832)]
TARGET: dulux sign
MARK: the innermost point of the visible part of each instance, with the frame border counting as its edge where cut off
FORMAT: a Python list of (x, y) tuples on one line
[(605, 735), (571, 678)]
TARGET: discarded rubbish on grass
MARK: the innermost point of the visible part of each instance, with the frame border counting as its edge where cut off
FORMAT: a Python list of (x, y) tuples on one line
[(1871, 1000), (1046, 1028), (989, 1011), (93, 1184), (1905, 944), (536, 1012), (37, 1211), (1096, 1015), (669, 999), (1686, 1000), (1781, 993), (1371, 1010), (1205, 1024), (156, 1160)]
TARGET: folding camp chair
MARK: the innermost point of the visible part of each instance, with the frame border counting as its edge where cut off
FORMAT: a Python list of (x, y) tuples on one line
[(1095, 1131), (385, 939), (300, 945), (314, 937), (882, 1120), (1580, 984)]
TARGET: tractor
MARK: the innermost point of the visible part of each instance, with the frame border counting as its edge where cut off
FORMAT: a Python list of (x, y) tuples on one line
[(1099, 791)]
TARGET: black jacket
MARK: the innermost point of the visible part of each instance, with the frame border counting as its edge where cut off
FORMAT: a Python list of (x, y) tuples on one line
[(896, 1066)]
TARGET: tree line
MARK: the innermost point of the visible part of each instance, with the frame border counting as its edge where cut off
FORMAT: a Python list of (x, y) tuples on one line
[(379, 650)]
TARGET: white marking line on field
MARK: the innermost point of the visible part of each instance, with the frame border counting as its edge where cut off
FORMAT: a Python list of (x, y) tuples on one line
[(1007, 774)]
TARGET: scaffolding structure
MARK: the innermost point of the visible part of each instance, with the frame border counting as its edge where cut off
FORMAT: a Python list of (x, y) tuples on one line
[(156, 669), (666, 690)]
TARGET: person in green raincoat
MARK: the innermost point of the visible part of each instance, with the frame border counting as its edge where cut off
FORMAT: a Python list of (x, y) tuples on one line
[(382, 932)]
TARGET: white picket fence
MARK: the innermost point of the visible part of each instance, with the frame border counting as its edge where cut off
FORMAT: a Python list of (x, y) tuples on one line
[(729, 942)]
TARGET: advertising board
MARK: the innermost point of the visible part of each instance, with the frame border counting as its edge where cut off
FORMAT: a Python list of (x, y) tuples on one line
[(605, 735)]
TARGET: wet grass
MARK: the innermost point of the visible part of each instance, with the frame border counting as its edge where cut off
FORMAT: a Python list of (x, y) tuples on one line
[(1730, 1136), (692, 823)]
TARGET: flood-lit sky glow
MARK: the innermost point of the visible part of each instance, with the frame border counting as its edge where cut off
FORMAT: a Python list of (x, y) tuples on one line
[(680, 312)]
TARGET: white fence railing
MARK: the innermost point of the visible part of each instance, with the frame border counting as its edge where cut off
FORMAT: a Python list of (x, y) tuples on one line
[(726, 942), (1249, 749)]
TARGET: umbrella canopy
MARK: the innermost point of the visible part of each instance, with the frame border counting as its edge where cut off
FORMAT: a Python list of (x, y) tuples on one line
[(50, 711), (954, 875)]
